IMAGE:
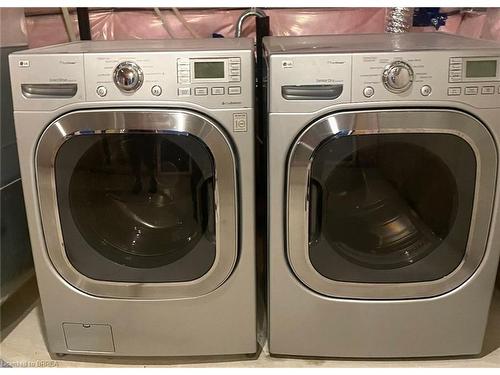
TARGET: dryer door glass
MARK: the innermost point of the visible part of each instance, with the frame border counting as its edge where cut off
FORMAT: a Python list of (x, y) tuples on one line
[(390, 207), (137, 207), (389, 204)]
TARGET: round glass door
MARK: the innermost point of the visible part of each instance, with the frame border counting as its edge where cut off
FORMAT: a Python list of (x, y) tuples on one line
[(137, 207), (389, 204), (130, 201), (390, 207)]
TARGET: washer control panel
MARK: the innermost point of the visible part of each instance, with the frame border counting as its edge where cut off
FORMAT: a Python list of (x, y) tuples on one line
[(222, 80)]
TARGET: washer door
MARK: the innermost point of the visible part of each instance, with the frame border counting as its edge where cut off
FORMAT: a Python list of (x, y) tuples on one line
[(131, 201), (390, 204)]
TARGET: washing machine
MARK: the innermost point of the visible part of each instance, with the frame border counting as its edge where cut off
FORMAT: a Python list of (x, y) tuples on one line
[(383, 193), (137, 166)]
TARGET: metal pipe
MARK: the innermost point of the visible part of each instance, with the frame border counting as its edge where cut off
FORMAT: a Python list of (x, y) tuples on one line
[(398, 20), (69, 25), (164, 22), (247, 13), (181, 18)]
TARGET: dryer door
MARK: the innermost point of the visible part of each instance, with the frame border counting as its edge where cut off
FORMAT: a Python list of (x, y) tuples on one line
[(139, 203), (390, 204)]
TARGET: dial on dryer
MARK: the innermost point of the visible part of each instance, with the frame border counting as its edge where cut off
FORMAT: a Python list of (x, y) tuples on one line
[(398, 77)]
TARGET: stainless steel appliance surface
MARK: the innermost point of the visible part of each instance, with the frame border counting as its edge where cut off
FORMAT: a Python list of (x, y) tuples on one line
[(137, 165), (383, 193)]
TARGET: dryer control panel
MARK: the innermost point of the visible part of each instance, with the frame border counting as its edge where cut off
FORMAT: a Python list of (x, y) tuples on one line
[(308, 82), (437, 75)]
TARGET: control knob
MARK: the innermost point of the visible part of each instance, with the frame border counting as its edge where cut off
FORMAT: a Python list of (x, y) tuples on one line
[(398, 77), (128, 76)]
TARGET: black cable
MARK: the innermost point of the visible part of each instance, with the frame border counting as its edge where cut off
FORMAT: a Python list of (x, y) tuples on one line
[(84, 23)]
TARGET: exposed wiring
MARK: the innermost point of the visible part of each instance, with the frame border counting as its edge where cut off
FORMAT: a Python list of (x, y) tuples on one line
[(164, 22), (69, 25), (181, 18)]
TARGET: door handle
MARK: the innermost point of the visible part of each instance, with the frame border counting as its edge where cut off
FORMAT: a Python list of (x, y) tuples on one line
[(311, 92), (206, 208), (49, 90), (315, 202)]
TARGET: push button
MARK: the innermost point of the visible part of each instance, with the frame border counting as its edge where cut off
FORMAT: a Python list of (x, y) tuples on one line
[(454, 91), (184, 91), (426, 90), (234, 90), (488, 90), (471, 90), (156, 90), (101, 91), (368, 92), (217, 90), (201, 91)]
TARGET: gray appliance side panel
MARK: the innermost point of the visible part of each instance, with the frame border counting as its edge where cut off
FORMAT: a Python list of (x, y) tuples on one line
[(15, 257)]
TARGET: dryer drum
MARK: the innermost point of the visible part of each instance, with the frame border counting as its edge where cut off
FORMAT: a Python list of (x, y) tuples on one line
[(142, 200), (382, 214)]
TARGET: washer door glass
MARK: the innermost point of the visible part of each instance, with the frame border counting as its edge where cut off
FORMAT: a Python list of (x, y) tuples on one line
[(137, 207), (390, 207)]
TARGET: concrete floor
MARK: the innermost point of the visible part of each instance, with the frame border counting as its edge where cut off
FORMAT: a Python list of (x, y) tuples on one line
[(23, 345)]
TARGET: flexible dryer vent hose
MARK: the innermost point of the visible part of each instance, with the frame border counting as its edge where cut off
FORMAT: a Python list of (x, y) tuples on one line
[(398, 20)]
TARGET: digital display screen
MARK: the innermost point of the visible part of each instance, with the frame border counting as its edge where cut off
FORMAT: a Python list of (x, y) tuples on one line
[(208, 69), (481, 69)]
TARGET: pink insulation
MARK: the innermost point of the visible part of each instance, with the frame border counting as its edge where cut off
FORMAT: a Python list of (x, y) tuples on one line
[(145, 24)]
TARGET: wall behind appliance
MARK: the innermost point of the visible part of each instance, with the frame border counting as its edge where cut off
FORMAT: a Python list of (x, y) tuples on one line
[(45, 26)]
